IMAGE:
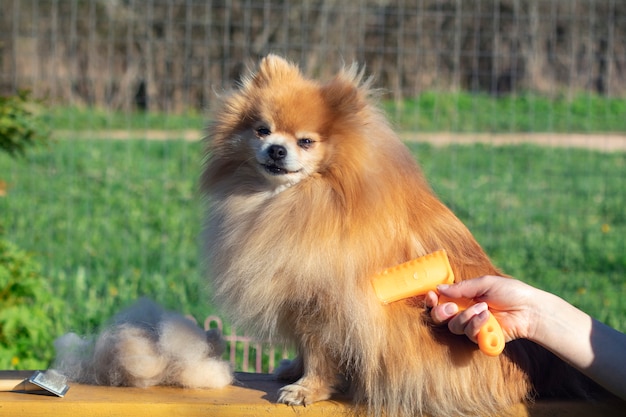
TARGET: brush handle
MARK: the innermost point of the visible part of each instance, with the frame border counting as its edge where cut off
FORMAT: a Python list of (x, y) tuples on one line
[(423, 274), (490, 336)]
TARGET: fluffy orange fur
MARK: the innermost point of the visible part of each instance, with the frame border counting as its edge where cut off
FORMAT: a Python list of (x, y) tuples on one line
[(291, 250)]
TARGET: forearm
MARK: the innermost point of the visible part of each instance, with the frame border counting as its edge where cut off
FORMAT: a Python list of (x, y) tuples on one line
[(609, 365), (590, 346)]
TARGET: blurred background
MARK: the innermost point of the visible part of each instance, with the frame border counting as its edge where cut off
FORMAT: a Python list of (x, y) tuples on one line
[(516, 109), (172, 55)]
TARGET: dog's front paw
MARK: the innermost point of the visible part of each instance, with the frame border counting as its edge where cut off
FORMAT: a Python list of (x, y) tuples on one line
[(296, 394)]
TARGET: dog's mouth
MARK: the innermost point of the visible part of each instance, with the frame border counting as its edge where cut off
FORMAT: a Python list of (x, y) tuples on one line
[(274, 169)]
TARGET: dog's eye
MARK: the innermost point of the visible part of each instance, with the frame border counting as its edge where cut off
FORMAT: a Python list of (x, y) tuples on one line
[(263, 131), (305, 143)]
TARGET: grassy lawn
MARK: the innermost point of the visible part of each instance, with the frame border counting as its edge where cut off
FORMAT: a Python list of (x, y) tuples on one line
[(525, 112), (554, 218), (429, 112), (114, 220), (109, 221)]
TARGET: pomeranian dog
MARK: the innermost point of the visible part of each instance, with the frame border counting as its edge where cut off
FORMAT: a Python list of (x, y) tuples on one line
[(145, 346), (310, 194)]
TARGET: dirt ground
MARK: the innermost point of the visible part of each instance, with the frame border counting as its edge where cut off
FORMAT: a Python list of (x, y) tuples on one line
[(605, 142)]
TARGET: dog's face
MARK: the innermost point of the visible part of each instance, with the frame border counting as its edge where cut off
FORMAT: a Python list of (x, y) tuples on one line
[(285, 156), (282, 128), (286, 124)]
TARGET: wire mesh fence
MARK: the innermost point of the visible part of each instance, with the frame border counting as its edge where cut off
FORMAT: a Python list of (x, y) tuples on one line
[(172, 55), (111, 208)]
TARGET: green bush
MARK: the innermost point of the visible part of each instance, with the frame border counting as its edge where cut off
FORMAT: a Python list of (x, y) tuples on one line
[(30, 315), (20, 123)]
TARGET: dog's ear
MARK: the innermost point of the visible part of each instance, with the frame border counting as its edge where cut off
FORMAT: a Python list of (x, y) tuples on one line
[(348, 92), (274, 68)]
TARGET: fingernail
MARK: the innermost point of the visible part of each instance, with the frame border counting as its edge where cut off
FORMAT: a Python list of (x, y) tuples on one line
[(450, 309), (442, 287), (480, 308)]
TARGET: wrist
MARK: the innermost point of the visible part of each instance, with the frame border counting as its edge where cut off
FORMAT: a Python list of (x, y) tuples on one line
[(543, 308), (561, 328)]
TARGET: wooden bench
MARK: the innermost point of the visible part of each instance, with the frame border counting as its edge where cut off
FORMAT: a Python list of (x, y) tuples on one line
[(252, 395)]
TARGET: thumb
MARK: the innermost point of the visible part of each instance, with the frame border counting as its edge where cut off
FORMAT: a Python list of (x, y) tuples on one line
[(471, 289)]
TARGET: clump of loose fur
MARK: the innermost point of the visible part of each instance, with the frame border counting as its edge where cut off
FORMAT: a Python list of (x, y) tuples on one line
[(145, 346)]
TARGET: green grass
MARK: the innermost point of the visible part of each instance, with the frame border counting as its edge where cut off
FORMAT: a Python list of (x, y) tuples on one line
[(526, 112), (430, 111), (113, 220), (95, 119), (110, 221), (554, 218)]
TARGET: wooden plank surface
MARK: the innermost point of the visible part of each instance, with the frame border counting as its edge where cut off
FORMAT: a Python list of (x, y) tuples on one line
[(252, 395)]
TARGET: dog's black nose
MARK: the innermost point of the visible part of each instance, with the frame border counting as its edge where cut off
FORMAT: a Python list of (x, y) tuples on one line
[(277, 152)]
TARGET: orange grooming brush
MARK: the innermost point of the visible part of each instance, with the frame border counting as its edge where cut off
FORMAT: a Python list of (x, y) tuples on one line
[(417, 277)]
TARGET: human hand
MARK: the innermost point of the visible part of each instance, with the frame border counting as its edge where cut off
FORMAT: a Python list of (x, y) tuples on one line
[(513, 303), (523, 311)]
